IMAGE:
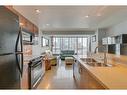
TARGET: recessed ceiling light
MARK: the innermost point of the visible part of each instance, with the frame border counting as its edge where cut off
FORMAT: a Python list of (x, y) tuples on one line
[(87, 16), (47, 24), (21, 23), (37, 11)]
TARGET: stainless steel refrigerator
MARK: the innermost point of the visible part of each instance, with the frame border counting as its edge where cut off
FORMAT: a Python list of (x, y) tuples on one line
[(11, 56)]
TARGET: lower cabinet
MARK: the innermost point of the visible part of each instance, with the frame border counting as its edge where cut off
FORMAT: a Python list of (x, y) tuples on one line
[(84, 83), (76, 73), (24, 80), (83, 78)]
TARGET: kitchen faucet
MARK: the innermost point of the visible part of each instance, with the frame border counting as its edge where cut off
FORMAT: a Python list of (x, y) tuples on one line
[(105, 57)]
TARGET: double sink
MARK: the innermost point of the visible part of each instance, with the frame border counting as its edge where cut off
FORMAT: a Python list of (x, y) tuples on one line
[(92, 62)]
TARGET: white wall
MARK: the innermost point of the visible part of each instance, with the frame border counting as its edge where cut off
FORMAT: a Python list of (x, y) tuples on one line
[(38, 49), (100, 33), (94, 44), (120, 28), (46, 47), (117, 29)]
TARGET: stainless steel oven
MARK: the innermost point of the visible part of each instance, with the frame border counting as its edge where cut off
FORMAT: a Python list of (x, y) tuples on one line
[(35, 72)]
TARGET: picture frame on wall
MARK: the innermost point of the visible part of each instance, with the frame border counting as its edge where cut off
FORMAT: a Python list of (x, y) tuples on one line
[(94, 38)]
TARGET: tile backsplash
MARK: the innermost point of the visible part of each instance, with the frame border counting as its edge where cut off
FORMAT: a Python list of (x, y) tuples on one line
[(27, 50)]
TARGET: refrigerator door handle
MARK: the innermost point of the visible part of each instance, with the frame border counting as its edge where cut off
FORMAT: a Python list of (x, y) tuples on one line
[(19, 38), (18, 65), (21, 45)]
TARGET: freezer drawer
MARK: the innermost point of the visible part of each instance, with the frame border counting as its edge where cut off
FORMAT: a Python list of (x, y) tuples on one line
[(9, 73)]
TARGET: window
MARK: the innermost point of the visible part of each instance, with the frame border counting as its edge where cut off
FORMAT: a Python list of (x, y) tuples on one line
[(56, 45), (79, 47), (79, 44), (65, 43)]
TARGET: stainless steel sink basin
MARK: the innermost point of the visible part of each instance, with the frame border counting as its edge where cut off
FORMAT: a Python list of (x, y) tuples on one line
[(88, 60), (94, 63)]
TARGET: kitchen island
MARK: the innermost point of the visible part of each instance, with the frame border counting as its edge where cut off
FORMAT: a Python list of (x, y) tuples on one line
[(90, 77)]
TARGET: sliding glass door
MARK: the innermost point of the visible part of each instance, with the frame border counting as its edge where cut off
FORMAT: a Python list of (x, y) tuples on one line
[(79, 44), (56, 45)]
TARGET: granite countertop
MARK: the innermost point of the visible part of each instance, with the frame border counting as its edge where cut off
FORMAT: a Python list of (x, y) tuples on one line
[(110, 77)]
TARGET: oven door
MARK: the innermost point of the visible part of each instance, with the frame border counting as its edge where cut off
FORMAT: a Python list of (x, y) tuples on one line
[(35, 74)]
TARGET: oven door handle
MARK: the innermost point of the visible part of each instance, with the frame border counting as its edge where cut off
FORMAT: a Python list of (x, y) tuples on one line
[(36, 64)]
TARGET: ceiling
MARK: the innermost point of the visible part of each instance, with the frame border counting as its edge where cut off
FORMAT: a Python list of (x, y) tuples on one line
[(67, 18)]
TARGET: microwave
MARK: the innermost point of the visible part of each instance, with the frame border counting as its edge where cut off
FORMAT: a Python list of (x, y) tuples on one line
[(27, 38)]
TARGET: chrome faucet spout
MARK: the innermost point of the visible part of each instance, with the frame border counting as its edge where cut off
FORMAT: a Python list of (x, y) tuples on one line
[(105, 57)]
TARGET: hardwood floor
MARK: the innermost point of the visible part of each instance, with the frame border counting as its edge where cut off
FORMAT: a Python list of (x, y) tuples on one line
[(59, 77)]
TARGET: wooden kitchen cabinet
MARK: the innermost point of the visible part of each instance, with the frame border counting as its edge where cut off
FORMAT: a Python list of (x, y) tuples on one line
[(47, 64), (28, 25), (80, 76), (24, 22), (84, 79), (93, 83), (76, 73), (88, 81), (35, 28), (24, 79)]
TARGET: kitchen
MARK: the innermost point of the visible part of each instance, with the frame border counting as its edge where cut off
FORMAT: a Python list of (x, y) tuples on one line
[(21, 46)]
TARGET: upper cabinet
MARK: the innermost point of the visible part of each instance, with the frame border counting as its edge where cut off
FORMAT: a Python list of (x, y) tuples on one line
[(116, 44), (25, 23), (119, 39), (36, 30), (22, 21), (104, 41), (108, 40), (111, 40)]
